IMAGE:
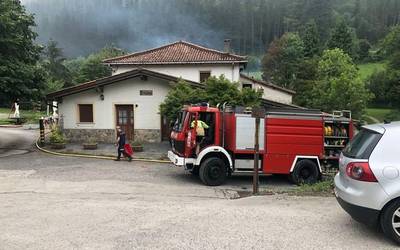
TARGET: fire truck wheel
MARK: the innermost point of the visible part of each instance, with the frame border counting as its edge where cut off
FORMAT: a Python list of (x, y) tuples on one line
[(195, 171), (305, 172), (213, 171)]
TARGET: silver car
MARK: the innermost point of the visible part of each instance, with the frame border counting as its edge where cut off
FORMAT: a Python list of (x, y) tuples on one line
[(368, 183)]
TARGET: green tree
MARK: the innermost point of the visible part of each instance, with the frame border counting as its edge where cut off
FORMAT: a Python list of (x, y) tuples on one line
[(379, 83), (364, 47), (339, 86), (391, 43), (20, 74), (306, 81), (217, 90), (220, 90), (93, 68), (180, 94), (390, 47), (342, 37), (282, 62), (311, 40), (53, 63)]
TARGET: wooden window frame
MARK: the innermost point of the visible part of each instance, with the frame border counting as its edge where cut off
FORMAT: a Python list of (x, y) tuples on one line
[(79, 113), (204, 72), (144, 92), (248, 85)]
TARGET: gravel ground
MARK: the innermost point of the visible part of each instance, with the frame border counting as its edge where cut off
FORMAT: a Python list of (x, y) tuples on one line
[(49, 202)]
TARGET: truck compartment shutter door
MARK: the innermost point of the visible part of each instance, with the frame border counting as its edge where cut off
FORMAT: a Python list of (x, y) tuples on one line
[(245, 130)]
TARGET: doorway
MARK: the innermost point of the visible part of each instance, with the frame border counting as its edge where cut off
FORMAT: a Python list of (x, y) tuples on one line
[(165, 128), (125, 120)]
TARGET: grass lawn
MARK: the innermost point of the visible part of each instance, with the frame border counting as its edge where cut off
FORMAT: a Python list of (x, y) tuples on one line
[(378, 113), (367, 69), (30, 116)]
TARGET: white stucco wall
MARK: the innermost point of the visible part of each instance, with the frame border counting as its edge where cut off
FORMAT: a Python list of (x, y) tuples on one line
[(189, 71), (125, 92), (270, 93)]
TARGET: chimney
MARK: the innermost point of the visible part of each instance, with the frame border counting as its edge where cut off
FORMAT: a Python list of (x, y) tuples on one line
[(227, 45)]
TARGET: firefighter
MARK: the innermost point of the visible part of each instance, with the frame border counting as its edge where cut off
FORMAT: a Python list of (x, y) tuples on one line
[(121, 140), (200, 132)]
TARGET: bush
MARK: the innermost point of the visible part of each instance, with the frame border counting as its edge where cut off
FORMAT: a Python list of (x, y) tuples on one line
[(56, 136), (393, 116)]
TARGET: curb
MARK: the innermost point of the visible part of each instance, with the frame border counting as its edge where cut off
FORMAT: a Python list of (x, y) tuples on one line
[(11, 126), (93, 156)]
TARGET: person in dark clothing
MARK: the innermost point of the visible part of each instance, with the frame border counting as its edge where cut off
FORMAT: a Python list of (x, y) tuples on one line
[(121, 140)]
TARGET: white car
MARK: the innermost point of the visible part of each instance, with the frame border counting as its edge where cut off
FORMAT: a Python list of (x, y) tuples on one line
[(368, 183)]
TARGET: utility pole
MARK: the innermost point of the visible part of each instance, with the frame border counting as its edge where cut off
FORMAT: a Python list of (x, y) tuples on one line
[(257, 113)]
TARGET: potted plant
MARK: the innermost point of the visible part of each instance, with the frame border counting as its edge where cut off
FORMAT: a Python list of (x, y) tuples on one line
[(57, 139), (137, 146), (91, 144)]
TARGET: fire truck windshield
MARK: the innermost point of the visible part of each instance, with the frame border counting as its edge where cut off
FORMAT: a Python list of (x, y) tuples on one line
[(178, 126)]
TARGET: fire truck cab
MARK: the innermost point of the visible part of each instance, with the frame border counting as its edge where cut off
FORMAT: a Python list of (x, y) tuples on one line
[(293, 142)]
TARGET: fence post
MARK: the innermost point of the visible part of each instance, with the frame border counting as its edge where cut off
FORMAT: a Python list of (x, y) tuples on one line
[(41, 127)]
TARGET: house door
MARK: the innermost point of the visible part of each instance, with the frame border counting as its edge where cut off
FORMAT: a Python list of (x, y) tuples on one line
[(165, 128), (125, 120)]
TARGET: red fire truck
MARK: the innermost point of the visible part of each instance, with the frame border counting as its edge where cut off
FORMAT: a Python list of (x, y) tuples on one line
[(294, 142)]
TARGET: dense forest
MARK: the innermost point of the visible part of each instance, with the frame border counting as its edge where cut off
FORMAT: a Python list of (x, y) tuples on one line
[(82, 27)]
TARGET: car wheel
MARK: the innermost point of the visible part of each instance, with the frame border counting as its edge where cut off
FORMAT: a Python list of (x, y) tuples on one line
[(213, 171), (390, 221), (305, 172)]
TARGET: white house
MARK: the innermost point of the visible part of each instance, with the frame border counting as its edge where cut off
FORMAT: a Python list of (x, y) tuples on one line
[(130, 98)]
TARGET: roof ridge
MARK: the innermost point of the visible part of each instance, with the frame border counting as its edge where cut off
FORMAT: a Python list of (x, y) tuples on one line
[(142, 52), (194, 46), (213, 50)]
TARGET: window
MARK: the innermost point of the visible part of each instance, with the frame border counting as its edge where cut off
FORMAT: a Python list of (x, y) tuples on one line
[(204, 75), (146, 92), (247, 85), (85, 112), (362, 144)]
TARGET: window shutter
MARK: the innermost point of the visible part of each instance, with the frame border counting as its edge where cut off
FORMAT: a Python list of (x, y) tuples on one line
[(85, 113)]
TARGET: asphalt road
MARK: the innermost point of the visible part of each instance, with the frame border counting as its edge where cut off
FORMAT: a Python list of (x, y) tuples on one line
[(49, 202)]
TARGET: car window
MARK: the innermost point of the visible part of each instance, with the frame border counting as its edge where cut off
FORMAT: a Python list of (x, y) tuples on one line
[(362, 144)]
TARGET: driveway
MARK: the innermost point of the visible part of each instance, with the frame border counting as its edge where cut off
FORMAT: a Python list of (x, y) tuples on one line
[(15, 141), (49, 202)]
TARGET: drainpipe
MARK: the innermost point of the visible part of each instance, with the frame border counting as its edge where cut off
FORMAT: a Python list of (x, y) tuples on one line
[(233, 71)]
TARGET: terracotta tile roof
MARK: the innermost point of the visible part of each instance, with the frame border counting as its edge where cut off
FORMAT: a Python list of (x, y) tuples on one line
[(177, 53), (268, 84)]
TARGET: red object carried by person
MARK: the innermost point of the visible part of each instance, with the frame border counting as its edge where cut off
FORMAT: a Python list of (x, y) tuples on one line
[(128, 150)]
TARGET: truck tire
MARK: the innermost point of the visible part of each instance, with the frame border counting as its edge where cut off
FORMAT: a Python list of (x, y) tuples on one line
[(390, 219), (305, 172), (213, 171)]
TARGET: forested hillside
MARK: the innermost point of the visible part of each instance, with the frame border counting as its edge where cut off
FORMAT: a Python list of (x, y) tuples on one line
[(336, 54), (82, 27)]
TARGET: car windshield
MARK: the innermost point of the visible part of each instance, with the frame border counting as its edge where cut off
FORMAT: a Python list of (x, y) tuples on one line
[(178, 126), (362, 144)]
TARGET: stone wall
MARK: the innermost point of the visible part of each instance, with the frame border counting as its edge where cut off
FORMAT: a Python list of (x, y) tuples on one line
[(84, 135), (109, 136), (148, 135)]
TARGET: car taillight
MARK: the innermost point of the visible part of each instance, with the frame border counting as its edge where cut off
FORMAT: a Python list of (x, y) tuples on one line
[(360, 171)]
